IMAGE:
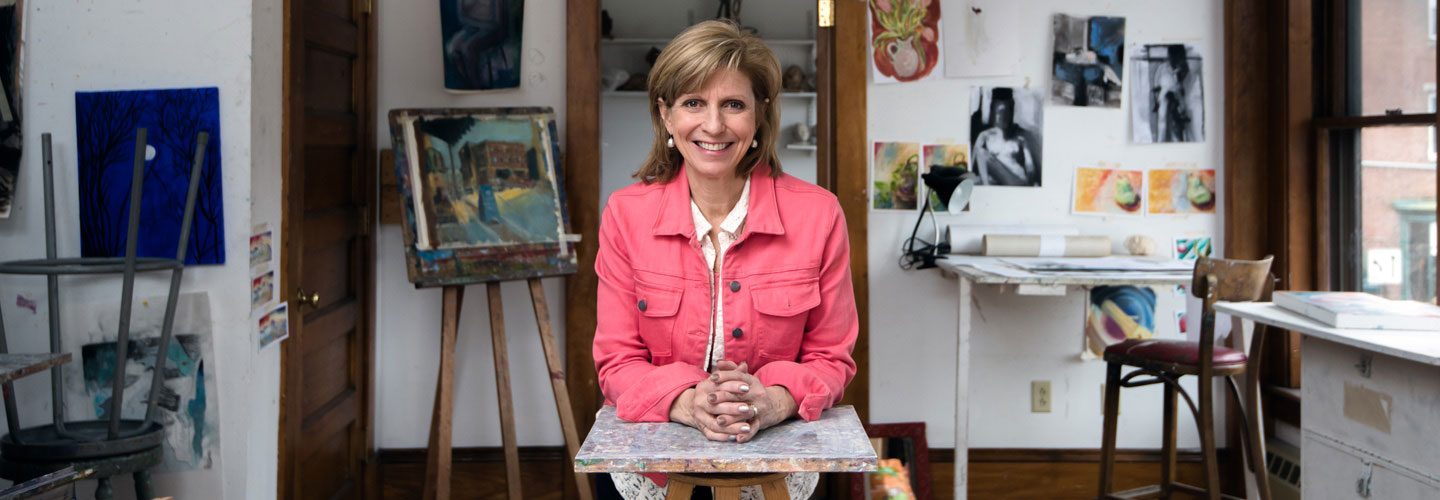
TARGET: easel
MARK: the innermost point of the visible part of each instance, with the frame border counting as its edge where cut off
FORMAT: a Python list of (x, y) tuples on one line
[(437, 466)]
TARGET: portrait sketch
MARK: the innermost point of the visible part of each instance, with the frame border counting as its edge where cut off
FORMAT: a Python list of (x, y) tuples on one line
[(1168, 103), (1005, 141)]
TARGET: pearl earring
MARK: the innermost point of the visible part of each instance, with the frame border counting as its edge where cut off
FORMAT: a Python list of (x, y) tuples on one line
[(670, 142), (754, 143)]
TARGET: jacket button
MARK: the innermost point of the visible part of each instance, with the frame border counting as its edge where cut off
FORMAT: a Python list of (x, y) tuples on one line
[(736, 333), (642, 305), (734, 286)]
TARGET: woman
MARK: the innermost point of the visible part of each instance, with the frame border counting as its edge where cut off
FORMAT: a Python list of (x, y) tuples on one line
[(724, 291)]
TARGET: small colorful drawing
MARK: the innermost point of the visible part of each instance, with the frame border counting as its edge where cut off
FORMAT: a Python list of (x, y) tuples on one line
[(262, 290), (1180, 325), (274, 325), (260, 249), (1181, 190), (944, 155), (1108, 190), (895, 173), (1192, 248), (1088, 61), (905, 38), (1117, 313)]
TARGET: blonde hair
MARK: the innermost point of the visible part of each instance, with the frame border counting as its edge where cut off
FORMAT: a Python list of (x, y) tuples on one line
[(686, 65)]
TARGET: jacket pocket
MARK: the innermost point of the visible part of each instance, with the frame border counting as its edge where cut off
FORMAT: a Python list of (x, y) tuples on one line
[(657, 315), (781, 311)]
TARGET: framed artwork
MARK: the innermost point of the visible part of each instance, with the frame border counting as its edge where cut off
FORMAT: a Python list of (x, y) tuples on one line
[(481, 40), (481, 195), (904, 441), (11, 29)]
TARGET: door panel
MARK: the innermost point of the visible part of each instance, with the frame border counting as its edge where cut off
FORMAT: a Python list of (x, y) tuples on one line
[(328, 251)]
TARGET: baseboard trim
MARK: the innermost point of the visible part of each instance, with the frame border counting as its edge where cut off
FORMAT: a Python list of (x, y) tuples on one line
[(977, 455)]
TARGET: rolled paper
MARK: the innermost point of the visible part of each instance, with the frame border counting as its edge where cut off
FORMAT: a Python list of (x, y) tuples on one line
[(1045, 245), (968, 238)]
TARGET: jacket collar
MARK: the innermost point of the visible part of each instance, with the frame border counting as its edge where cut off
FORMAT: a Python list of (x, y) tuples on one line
[(674, 216)]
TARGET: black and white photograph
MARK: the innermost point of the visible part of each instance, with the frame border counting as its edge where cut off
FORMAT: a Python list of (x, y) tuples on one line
[(1005, 141), (1168, 103), (1088, 61)]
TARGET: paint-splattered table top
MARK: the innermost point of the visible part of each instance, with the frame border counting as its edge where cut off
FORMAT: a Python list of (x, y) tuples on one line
[(836, 442), (13, 366)]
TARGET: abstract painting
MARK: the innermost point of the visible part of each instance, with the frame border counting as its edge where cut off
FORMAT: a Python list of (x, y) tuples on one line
[(982, 38), (274, 325), (260, 248), (895, 173), (905, 38), (481, 194), (1005, 142), (481, 40), (105, 124), (262, 289), (1088, 60), (187, 405), (1181, 190), (1192, 248), (11, 31), (1116, 313), (944, 155), (1167, 103), (1108, 190)]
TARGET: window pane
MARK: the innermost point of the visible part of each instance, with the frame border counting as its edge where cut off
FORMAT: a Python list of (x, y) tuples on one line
[(1396, 57), (1397, 205)]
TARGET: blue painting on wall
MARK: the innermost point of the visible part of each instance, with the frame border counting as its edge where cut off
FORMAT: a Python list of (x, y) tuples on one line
[(1089, 60), (481, 40), (105, 124)]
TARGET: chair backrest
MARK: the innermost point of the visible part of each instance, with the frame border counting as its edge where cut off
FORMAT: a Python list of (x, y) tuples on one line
[(1233, 280)]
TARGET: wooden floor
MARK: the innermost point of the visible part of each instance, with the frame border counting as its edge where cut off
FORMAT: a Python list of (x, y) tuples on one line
[(480, 474)]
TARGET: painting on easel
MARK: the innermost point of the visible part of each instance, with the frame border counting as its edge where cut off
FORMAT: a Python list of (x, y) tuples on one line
[(481, 195)]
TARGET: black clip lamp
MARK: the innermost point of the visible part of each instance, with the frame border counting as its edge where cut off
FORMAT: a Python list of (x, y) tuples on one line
[(952, 184)]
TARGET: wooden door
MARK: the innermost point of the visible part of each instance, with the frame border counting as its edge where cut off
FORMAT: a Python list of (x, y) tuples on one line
[(325, 400)]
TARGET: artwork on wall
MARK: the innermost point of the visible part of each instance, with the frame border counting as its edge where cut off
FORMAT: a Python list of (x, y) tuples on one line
[(262, 289), (944, 155), (905, 38), (1167, 101), (1088, 60), (105, 124), (1108, 190), (895, 173), (1192, 248), (1181, 189), (274, 325), (260, 248), (481, 195), (11, 31), (481, 42), (1005, 141), (982, 38), (1116, 313), (188, 406)]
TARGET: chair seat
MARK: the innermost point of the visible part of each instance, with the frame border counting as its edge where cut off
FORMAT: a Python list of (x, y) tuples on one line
[(1172, 355)]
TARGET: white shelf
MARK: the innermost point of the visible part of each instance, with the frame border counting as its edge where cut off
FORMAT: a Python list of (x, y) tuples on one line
[(801, 147)]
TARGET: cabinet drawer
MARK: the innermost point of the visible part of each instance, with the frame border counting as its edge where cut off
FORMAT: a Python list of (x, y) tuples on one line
[(1393, 411), (1332, 470)]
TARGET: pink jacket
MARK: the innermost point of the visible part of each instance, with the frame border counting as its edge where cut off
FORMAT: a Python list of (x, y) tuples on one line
[(789, 306)]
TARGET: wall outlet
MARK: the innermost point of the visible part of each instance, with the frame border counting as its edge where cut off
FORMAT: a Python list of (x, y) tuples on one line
[(1040, 396)]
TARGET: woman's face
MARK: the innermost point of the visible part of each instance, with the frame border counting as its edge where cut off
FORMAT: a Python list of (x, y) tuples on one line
[(714, 125)]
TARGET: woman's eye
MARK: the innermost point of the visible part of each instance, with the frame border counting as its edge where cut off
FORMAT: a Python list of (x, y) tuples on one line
[(735, 105), (692, 103)]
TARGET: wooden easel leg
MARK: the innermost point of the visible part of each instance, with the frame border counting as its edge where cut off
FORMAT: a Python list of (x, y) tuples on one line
[(502, 387), (679, 490), (437, 464), (776, 489), (557, 381)]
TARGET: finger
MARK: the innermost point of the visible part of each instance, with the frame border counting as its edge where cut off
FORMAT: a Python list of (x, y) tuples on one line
[(735, 429), (718, 436), (740, 389), (725, 365), (731, 412), (720, 397), (726, 376)]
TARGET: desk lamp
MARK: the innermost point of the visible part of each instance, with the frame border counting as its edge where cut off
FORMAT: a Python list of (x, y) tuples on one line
[(952, 184)]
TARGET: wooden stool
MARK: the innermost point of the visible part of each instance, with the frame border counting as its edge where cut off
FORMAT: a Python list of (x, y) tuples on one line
[(727, 486)]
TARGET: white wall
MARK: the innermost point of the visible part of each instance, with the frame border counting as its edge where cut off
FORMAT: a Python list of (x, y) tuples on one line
[(408, 320), (1019, 339), (82, 46)]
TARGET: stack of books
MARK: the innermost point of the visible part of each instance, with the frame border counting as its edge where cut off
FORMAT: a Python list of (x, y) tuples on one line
[(1355, 310)]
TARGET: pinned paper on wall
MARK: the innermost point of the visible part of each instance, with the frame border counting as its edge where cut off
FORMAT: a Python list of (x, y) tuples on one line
[(262, 290), (1192, 248), (1108, 190), (260, 247), (1180, 325), (982, 37), (944, 155), (894, 173), (481, 41), (274, 325), (1183, 190), (1088, 60), (1005, 135), (1117, 313), (11, 32), (905, 38), (1167, 102)]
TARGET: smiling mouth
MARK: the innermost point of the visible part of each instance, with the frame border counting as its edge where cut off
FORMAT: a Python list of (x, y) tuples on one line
[(713, 146)]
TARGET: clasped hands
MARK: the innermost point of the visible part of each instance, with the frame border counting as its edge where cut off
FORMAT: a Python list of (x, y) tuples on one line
[(732, 405)]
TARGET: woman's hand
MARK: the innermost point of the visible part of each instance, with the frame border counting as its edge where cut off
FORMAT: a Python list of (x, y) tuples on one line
[(708, 409), (743, 396)]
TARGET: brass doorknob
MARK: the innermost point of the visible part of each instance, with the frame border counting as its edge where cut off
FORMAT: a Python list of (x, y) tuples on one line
[(311, 299)]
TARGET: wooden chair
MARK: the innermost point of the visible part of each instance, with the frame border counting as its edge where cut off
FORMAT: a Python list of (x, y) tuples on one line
[(1166, 361)]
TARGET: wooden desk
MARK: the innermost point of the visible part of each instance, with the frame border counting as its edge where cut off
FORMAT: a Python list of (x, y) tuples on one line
[(971, 271), (1370, 404)]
